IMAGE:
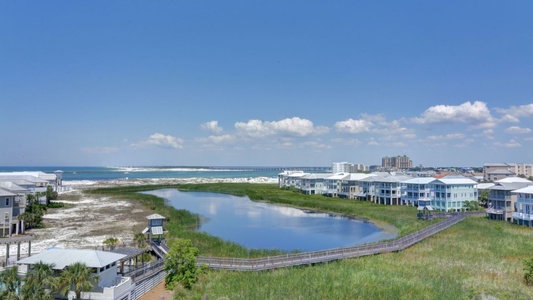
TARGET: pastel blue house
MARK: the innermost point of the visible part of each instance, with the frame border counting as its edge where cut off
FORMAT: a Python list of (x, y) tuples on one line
[(417, 191), (451, 193), (523, 214)]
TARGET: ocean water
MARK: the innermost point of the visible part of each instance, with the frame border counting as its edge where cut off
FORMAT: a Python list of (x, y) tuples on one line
[(110, 173)]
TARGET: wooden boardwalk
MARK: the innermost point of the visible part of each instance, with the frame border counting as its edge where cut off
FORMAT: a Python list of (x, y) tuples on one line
[(309, 258)]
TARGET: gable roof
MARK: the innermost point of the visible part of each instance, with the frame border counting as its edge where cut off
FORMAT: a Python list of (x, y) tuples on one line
[(155, 217), (456, 180), (62, 258), (526, 190), (6, 193), (514, 179), (420, 180)]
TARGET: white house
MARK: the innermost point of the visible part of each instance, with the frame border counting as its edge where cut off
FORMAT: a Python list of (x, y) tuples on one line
[(312, 184), (110, 285), (333, 184), (289, 179), (350, 186), (382, 189)]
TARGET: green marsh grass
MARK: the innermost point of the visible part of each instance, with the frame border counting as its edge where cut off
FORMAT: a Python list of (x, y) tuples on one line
[(474, 259)]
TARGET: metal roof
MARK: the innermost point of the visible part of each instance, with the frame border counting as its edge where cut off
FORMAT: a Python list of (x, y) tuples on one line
[(10, 186), (420, 180), (509, 186), (155, 217), (7, 193), (526, 190), (514, 179), (62, 258)]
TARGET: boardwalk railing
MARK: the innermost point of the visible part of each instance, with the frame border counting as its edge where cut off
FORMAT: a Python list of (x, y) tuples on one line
[(306, 258), (146, 271)]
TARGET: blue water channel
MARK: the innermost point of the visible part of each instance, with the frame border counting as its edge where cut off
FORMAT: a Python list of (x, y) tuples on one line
[(268, 226)]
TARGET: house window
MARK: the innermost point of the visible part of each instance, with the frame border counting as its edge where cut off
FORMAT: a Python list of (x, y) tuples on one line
[(7, 201)]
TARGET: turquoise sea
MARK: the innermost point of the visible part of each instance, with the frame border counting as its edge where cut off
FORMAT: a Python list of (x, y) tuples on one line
[(110, 173)]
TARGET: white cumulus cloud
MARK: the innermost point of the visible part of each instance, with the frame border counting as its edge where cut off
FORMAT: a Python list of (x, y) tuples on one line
[(164, 141), (291, 126), (212, 126), (476, 114), (353, 126), (514, 112)]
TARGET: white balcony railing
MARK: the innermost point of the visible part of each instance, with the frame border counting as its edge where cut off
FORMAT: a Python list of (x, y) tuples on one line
[(522, 216)]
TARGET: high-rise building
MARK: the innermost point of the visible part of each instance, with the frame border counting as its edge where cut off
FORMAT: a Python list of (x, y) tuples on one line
[(396, 162)]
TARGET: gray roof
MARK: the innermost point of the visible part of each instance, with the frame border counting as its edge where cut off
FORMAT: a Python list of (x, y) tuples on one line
[(456, 180), (62, 258), (11, 186), (155, 217), (6, 193), (420, 180), (526, 190), (510, 186), (501, 172), (514, 179)]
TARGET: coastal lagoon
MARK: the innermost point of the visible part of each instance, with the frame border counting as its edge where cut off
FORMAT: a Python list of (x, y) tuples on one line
[(268, 226)]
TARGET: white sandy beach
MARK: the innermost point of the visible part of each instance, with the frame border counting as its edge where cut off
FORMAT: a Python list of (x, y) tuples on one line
[(89, 220)]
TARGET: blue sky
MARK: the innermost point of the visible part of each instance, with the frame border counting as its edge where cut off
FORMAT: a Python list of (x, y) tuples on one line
[(294, 83)]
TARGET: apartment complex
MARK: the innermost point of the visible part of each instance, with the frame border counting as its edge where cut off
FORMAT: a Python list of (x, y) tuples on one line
[(450, 193), (397, 162), (497, 171)]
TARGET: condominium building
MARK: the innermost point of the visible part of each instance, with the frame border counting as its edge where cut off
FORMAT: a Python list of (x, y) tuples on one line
[(497, 171), (396, 162)]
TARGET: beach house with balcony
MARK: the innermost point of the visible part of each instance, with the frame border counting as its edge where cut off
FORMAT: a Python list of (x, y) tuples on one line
[(451, 193), (288, 179), (382, 189), (523, 214), (501, 201), (417, 191), (333, 184), (351, 186), (314, 183)]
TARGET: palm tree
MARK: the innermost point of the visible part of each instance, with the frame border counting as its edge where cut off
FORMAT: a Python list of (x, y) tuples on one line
[(35, 292), (77, 277), (140, 239), (10, 279), (40, 282), (111, 242)]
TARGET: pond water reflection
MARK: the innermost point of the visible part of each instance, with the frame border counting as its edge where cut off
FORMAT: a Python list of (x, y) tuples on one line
[(268, 226)]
